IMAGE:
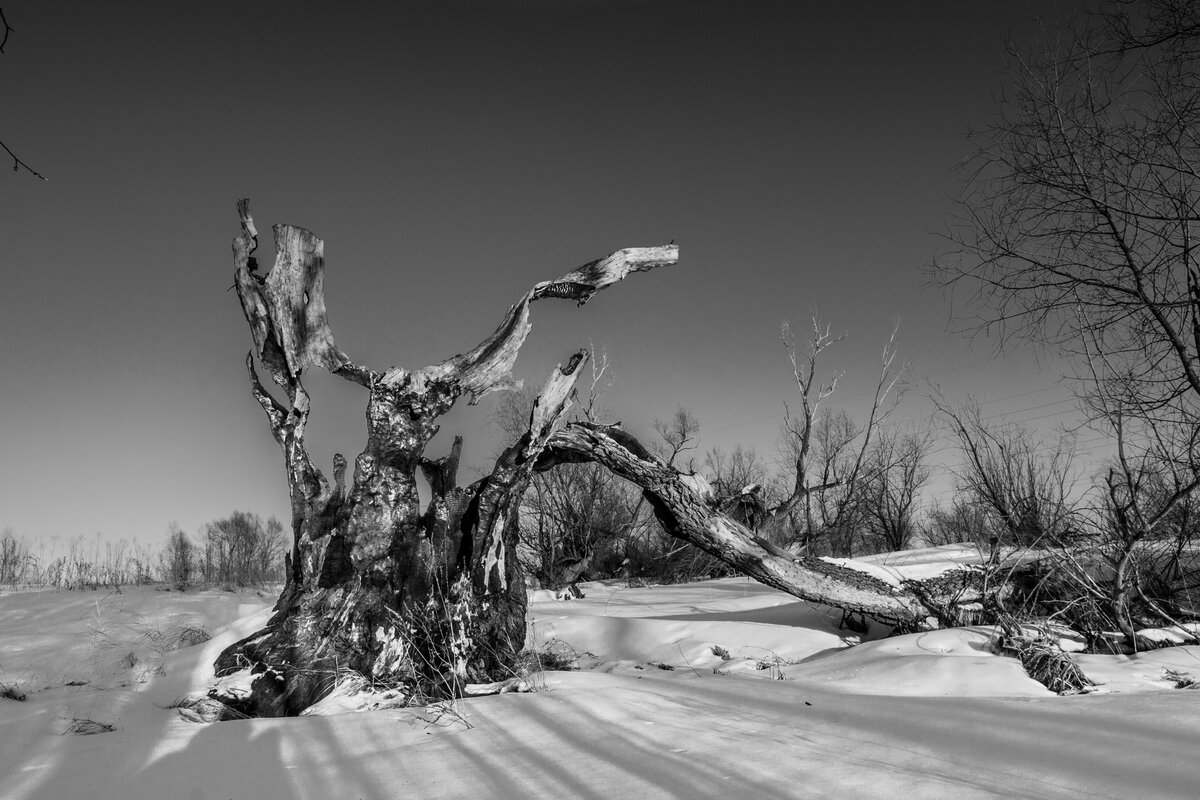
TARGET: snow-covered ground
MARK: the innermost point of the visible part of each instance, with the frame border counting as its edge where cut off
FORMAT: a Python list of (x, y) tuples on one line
[(712, 689)]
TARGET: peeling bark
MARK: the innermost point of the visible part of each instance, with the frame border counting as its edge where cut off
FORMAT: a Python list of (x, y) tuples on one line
[(430, 599)]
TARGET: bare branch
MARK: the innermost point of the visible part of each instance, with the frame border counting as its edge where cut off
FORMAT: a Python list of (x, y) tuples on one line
[(488, 366), (17, 163), (7, 30)]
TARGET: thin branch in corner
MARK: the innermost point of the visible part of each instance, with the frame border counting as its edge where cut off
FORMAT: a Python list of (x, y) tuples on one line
[(18, 163), (7, 30)]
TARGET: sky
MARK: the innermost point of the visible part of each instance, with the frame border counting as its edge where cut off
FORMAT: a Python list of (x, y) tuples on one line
[(451, 154)]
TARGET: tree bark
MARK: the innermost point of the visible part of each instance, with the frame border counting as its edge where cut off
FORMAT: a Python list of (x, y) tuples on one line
[(692, 516), (429, 600), (434, 600)]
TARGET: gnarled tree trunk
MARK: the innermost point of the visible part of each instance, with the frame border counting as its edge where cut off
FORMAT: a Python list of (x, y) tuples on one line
[(429, 599), (433, 599)]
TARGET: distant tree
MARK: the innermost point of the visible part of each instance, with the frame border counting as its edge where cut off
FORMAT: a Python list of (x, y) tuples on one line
[(178, 557), (677, 436), (650, 552), (1023, 484), (961, 522), (898, 469), (241, 550), (16, 562), (828, 450), (575, 519)]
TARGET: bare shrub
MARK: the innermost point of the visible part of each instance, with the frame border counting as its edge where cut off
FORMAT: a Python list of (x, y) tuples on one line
[(1043, 660)]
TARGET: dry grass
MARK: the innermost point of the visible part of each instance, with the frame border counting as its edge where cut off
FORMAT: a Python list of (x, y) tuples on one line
[(1183, 680), (205, 709), (11, 692), (554, 655), (1043, 660), (87, 727)]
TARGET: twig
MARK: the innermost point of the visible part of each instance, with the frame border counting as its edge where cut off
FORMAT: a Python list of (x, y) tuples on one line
[(17, 163), (685, 659), (7, 29)]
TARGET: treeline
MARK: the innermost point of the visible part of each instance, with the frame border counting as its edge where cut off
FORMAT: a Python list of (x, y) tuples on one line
[(239, 550)]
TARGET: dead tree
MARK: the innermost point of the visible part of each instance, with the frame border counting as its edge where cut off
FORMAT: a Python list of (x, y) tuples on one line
[(433, 600), (687, 512), (836, 488)]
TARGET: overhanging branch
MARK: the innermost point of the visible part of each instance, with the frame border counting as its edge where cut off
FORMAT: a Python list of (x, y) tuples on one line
[(687, 515), (488, 367)]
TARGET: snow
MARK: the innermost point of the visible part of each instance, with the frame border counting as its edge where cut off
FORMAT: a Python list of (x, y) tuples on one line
[(922, 564), (713, 689)]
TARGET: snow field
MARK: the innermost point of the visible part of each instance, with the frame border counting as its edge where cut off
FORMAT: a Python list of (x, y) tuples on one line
[(713, 689)]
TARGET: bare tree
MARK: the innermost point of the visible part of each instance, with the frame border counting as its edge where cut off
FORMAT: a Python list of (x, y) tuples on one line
[(177, 561), (16, 562), (1148, 500), (797, 429), (1078, 229), (574, 520), (962, 521), (677, 436), (741, 479), (239, 550), (826, 450), (435, 600), (1080, 206), (1024, 485), (376, 586), (898, 470)]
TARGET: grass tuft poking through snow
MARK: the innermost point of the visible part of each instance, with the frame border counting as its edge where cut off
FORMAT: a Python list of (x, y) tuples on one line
[(195, 708), (554, 655), (175, 636), (1183, 680), (1044, 660), (88, 727)]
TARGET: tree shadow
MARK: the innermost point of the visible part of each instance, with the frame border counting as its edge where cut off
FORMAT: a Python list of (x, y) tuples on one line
[(283, 758)]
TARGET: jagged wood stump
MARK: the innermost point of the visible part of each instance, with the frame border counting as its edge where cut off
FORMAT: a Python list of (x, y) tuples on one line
[(377, 587)]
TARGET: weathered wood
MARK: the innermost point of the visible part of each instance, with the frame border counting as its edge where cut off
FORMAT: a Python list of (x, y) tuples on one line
[(488, 367), (434, 600), (428, 599), (696, 518)]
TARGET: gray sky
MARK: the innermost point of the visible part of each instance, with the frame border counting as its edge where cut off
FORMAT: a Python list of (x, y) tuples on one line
[(450, 155)]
